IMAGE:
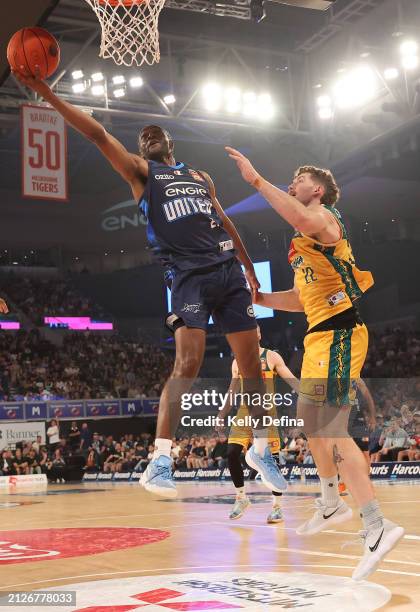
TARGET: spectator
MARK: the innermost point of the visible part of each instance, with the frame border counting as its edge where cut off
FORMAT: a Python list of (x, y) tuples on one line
[(219, 454), (85, 438), (43, 459), (393, 440), (141, 458), (56, 468), (20, 463), (308, 459), (92, 462), (197, 455), (33, 462), (74, 436), (53, 435), (413, 452), (114, 460), (97, 444), (375, 436), (37, 444), (7, 467)]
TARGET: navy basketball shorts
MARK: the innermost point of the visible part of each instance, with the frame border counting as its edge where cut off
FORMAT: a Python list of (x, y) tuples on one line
[(219, 291)]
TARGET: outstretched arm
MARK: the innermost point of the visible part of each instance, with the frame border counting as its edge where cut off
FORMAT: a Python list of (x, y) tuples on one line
[(277, 362), (288, 301), (237, 241), (131, 167), (294, 212)]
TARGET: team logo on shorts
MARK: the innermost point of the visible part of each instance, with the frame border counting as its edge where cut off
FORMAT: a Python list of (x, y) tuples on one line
[(191, 308), (250, 311)]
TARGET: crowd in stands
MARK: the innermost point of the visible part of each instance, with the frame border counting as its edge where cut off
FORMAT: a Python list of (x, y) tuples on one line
[(393, 354), (394, 438), (43, 297), (85, 366)]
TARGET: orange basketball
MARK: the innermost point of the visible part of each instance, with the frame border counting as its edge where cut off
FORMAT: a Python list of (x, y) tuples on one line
[(32, 47)]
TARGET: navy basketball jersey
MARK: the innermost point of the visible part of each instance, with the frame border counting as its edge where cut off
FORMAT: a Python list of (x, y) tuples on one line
[(183, 227)]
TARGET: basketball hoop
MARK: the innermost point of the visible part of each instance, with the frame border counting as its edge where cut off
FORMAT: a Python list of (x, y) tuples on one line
[(129, 30)]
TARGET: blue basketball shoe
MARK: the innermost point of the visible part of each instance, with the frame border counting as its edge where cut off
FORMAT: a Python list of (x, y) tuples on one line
[(157, 477), (267, 468)]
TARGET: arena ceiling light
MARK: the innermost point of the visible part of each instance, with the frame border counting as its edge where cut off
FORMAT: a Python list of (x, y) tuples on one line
[(325, 113), (250, 107), (391, 73), (356, 88), (97, 77), (324, 101), (97, 90), (409, 54), (265, 107), (169, 99), (212, 95), (233, 100), (325, 107), (119, 93), (77, 74), (118, 79), (78, 87), (136, 81), (410, 62), (408, 48)]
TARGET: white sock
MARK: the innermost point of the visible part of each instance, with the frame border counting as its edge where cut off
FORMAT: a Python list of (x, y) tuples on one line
[(260, 441), (240, 492), (329, 491), (162, 447)]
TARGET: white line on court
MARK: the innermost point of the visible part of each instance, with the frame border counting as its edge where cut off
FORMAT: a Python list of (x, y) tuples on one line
[(316, 553), (204, 567)]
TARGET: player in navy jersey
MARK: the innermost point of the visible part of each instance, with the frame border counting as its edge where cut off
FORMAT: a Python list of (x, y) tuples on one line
[(199, 247)]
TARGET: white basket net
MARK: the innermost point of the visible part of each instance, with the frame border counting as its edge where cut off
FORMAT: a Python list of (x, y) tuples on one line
[(129, 30)]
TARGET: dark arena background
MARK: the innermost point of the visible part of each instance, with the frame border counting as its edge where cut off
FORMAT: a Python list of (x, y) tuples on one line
[(84, 352)]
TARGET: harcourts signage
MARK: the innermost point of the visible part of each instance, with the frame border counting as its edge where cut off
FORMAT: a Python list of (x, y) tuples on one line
[(404, 470), (122, 216)]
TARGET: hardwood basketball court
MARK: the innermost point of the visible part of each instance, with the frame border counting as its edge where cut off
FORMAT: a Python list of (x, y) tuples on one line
[(95, 533)]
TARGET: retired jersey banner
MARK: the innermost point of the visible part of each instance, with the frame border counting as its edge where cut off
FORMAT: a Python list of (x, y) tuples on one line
[(44, 154)]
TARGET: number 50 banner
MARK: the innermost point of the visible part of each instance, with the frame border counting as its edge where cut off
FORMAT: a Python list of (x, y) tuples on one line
[(44, 153)]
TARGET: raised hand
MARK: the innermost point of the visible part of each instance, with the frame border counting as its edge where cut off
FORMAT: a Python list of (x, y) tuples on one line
[(249, 174), (32, 82)]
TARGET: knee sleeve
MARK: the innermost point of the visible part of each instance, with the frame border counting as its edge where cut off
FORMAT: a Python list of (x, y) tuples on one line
[(234, 463)]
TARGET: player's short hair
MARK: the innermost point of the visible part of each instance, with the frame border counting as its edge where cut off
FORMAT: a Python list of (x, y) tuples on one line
[(326, 179)]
